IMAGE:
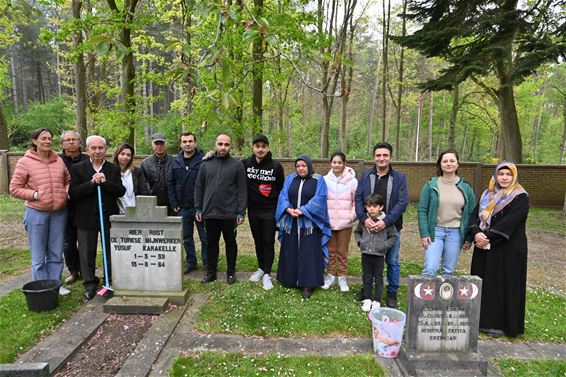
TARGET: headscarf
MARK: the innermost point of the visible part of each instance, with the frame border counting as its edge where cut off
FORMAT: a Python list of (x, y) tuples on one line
[(307, 160), (495, 198)]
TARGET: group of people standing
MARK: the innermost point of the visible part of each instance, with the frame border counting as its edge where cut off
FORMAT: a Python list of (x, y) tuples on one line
[(315, 216)]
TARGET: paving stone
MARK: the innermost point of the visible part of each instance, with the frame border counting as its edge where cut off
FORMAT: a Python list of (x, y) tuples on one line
[(24, 370), (16, 282), (177, 298), (136, 305)]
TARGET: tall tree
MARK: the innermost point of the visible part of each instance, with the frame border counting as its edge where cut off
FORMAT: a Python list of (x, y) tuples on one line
[(80, 71), (257, 71), (509, 39)]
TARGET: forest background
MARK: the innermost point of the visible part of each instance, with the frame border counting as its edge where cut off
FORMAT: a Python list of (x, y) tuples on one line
[(484, 77)]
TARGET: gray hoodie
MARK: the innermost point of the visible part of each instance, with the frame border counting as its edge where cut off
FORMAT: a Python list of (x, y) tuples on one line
[(376, 243)]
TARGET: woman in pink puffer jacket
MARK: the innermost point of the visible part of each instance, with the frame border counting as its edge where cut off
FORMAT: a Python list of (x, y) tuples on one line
[(341, 182)]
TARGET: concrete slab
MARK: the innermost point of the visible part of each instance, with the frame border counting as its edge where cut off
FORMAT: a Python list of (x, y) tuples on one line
[(447, 362), (24, 370), (136, 305), (59, 346), (177, 298), (140, 361), (17, 282)]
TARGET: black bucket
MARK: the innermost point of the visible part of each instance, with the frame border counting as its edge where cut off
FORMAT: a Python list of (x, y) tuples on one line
[(42, 295)]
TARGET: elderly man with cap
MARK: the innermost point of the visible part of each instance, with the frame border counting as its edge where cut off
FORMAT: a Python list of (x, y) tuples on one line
[(156, 168), (265, 178)]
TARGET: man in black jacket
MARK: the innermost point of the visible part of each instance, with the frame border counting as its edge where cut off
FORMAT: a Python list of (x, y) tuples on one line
[(181, 186), (221, 200), (265, 180), (85, 177), (71, 155), (155, 168)]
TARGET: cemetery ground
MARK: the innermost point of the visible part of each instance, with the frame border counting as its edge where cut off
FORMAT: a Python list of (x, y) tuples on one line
[(242, 330)]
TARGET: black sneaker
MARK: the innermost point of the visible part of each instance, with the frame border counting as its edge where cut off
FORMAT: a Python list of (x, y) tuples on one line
[(231, 278), (207, 279), (189, 269), (89, 294), (391, 301), (307, 293)]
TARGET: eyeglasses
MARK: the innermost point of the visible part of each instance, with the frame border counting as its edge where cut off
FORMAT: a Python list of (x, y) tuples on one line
[(70, 140)]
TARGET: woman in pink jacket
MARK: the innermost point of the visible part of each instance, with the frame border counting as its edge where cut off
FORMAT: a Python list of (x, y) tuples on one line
[(341, 182), (42, 180)]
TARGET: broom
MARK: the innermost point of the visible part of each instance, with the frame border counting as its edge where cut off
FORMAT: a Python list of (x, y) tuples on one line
[(106, 291)]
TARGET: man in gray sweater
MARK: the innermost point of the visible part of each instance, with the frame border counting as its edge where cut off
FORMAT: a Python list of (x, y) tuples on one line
[(220, 201)]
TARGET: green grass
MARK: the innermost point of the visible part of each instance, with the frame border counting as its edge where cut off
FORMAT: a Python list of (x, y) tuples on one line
[(531, 368), (235, 364), (21, 328), (10, 206), (13, 261), (546, 220), (545, 317), (246, 309)]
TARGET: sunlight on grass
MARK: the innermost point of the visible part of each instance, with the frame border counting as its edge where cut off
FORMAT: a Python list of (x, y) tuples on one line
[(21, 328), (235, 364), (531, 368)]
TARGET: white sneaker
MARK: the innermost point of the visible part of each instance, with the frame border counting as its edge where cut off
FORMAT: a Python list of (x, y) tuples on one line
[(256, 276), (366, 305), (63, 291), (328, 281), (343, 284), (375, 305), (267, 285)]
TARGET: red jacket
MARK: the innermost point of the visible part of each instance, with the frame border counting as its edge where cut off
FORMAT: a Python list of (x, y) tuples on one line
[(50, 179)]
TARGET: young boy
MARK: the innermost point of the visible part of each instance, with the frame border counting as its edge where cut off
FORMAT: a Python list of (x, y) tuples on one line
[(374, 246)]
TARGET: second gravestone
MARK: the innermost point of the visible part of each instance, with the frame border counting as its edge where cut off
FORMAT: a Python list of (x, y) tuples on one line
[(147, 252), (442, 324)]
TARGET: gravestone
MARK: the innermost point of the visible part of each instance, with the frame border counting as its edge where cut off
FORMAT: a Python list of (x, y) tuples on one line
[(147, 252), (442, 324)]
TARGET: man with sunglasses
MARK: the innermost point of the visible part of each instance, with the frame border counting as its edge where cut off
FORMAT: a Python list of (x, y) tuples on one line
[(221, 201)]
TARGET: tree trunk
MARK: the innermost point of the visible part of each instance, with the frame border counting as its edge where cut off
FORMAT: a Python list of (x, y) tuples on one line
[(4, 142), (563, 144), (453, 117), (430, 114), (417, 136), (80, 73), (513, 150), (372, 106), (400, 87), (326, 111), (257, 74), (14, 85), (538, 119), (463, 150), (386, 21)]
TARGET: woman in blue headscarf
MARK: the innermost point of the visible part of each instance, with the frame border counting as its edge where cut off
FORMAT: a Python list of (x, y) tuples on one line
[(304, 228)]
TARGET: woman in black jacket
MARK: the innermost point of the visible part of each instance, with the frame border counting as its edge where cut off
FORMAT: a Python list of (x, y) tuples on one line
[(132, 177), (500, 252)]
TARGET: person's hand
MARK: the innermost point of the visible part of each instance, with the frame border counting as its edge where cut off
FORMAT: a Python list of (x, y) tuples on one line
[(370, 225), (198, 217), (481, 240), (176, 209), (298, 212), (466, 245), (380, 225), (292, 212), (98, 178), (425, 242), (239, 220)]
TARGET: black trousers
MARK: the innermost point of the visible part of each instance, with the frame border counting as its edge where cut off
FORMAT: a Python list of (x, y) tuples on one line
[(88, 239), (263, 232), (70, 249), (214, 228), (372, 270)]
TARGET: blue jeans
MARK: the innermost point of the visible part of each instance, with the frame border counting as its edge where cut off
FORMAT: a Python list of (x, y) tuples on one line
[(188, 215), (46, 231), (446, 245), (393, 268)]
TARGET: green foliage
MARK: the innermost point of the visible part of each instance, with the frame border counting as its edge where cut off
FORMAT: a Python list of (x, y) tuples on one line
[(20, 328), (56, 115), (543, 322), (13, 261), (236, 364), (548, 220), (531, 368)]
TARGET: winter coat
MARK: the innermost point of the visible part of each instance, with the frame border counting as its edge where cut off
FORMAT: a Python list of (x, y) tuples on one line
[(155, 172), (220, 189), (182, 179), (375, 243), (341, 198), (428, 208), (50, 179), (265, 181), (397, 196)]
